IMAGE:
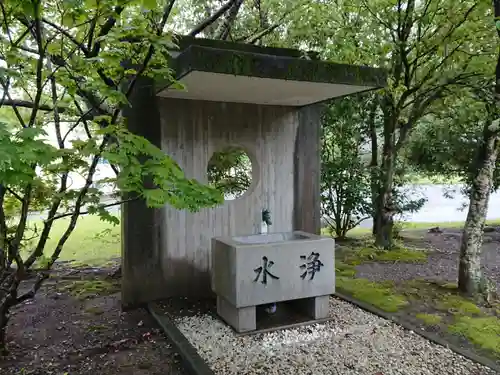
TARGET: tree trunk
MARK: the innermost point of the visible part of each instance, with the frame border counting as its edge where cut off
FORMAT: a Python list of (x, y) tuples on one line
[(383, 231), (470, 275), (385, 222), (5, 306), (374, 172), (3, 330)]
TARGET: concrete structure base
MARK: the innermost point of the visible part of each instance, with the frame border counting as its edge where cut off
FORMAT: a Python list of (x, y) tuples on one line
[(244, 319)]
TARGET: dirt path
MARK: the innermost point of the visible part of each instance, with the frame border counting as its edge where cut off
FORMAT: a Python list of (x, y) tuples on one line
[(69, 331), (443, 261)]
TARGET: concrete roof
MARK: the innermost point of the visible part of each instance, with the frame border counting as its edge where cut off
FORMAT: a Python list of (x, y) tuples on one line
[(234, 72)]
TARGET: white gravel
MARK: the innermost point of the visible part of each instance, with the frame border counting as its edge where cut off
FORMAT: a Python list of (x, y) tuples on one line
[(354, 342)]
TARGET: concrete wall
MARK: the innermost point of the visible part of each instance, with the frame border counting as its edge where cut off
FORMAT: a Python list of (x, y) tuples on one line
[(191, 132), (166, 252)]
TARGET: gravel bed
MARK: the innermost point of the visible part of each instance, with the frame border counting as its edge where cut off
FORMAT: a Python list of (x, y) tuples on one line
[(354, 342)]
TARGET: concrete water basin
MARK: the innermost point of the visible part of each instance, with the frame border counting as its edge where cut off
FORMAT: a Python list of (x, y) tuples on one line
[(258, 269)]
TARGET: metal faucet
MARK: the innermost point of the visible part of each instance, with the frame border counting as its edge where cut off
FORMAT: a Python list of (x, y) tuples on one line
[(266, 217)]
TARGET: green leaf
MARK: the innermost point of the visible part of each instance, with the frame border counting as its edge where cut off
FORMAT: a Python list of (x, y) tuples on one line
[(28, 8), (150, 4)]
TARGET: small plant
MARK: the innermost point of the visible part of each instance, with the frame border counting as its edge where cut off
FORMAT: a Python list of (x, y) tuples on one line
[(396, 230), (345, 187)]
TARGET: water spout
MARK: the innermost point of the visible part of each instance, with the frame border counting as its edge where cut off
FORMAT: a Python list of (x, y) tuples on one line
[(265, 221), (264, 227)]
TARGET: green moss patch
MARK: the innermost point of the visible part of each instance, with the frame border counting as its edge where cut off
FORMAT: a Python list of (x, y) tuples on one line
[(343, 269), (372, 254), (94, 310), (429, 319), (83, 289), (381, 295), (437, 305), (458, 305), (482, 331), (443, 297)]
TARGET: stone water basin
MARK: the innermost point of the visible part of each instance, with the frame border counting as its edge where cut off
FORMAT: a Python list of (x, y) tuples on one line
[(258, 269)]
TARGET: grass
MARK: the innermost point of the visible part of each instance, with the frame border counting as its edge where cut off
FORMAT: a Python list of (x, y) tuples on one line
[(454, 313), (434, 180), (445, 224), (92, 243), (410, 226)]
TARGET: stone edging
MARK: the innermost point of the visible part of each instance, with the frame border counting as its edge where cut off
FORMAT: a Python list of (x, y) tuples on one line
[(427, 335), (192, 361)]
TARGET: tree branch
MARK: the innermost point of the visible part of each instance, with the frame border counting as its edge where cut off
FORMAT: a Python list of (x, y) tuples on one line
[(61, 216), (255, 38), (7, 27), (28, 104), (431, 71), (42, 276), (17, 196), (105, 29), (387, 25), (3, 230), (210, 20), (80, 45), (149, 55), (5, 87), (225, 27)]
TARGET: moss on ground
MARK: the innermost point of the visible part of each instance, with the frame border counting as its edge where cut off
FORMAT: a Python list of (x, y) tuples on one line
[(458, 305), (94, 310), (482, 331), (83, 289), (456, 313), (381, 295), (437, 304), (343, 269), (429, 319), (357, 256)]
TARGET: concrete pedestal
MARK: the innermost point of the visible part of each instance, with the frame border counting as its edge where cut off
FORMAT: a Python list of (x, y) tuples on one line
[(242, 319), (315, 307)]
